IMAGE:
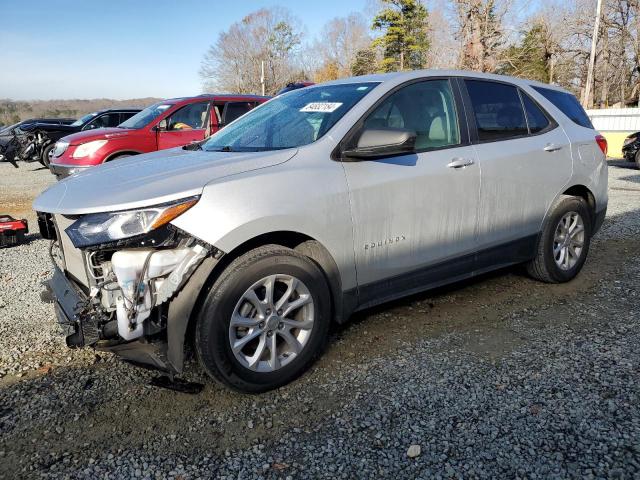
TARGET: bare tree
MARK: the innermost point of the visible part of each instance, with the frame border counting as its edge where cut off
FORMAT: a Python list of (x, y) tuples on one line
[(233, 63), (341, 39), (444, 49), (480, 32)]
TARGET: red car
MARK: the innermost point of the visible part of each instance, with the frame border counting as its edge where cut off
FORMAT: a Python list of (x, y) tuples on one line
[(12, 231), (170, 123)]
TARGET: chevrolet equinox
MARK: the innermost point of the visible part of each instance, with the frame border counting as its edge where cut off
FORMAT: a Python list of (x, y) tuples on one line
[(321, 202)]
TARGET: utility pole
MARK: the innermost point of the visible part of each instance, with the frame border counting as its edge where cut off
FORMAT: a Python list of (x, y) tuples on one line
[(262, 76), (592, 57)]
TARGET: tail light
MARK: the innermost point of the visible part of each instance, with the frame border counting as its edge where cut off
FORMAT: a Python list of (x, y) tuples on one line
[(602, 143)]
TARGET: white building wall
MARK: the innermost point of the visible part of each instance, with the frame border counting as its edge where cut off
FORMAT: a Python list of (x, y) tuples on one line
[(615, 119)]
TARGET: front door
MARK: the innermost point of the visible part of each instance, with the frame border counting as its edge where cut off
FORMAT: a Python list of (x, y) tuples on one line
[(184, 126), (414, 215)]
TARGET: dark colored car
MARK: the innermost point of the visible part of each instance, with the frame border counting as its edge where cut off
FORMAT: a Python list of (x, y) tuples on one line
[(171, 123), (50, 133), (13, 139), (55, 121), (631, 148), (294, 86)]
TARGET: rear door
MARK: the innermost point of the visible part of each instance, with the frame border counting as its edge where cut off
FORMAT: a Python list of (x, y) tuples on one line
[(525, 160), (185, 125)]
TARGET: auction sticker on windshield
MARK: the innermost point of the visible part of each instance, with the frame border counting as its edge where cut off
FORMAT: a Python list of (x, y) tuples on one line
[(324, 107)]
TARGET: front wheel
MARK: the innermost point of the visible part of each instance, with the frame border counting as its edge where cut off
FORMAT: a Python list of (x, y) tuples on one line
[(564, 241), (45, 158), (264, 321)]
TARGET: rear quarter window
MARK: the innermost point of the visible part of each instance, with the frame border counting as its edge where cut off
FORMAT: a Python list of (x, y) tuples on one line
[(567, 104)]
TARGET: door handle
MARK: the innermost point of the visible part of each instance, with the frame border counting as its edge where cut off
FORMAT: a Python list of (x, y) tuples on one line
[(550, 147), (460, 162)]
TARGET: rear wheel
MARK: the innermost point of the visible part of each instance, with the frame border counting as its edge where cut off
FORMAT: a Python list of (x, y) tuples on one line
[(564, 241), (264, 321), (638, 159)]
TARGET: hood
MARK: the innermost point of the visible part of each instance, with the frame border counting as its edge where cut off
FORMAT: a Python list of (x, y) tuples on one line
[(150, 179), (49, 127), (97, 134)]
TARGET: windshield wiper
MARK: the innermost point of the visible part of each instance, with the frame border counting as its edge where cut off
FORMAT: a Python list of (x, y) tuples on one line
[(226, 148), (193, 146)]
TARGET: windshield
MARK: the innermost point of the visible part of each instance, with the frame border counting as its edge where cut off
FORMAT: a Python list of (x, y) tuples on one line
[(146, 116), (7, 130), (292, 120), (82, 120)]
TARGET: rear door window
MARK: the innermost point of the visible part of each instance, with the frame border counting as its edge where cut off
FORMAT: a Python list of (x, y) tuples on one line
[(233, 110), (567, 104), (536, 119), (497, 110)]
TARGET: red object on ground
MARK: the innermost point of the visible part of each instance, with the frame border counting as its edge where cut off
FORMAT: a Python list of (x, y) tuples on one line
[(12, 231)]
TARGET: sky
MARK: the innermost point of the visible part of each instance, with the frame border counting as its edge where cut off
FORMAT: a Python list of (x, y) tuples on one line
[(123, 49)]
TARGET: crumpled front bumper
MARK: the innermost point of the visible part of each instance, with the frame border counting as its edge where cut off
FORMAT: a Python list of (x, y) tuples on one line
[(70, 303), (74, 314)]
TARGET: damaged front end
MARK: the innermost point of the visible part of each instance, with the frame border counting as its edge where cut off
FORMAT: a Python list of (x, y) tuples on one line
[(119, 281)]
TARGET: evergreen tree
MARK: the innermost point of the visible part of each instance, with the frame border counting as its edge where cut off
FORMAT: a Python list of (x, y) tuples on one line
[(532, 57), (364, 63), (404, 41)]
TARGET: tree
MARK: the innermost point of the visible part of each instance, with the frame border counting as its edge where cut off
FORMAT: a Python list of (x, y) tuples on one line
[(533, 57), (480, 32), (404, 40), (234, 62), (364, 63), (341, 39)]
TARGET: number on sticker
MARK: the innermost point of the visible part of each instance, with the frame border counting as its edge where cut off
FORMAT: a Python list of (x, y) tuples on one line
[(323, 107)]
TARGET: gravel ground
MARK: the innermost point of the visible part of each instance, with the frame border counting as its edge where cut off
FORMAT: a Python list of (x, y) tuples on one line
[(497, 377)]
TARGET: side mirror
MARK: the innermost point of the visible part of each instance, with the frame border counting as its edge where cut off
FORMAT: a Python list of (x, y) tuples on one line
[(162, 125), (382, 142)]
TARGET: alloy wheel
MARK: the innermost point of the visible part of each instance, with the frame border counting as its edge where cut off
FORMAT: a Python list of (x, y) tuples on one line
[(568, 240), (271, 323)]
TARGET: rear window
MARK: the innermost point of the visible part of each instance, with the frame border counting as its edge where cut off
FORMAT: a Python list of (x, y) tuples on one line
[(567, 104), (497, 110), (536, 118)]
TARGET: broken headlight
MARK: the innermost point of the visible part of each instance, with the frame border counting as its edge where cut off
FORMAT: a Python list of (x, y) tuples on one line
[(97, 228)]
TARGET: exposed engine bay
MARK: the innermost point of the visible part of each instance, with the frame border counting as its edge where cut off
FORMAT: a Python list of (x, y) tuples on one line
[(116, 296)]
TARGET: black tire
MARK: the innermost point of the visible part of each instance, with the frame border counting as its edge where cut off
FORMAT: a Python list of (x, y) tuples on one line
[(544, 267), (118, 157), (44, 158), (638, 159), (212, 343)]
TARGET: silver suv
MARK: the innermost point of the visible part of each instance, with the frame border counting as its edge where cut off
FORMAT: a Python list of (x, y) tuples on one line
[(321, 202)]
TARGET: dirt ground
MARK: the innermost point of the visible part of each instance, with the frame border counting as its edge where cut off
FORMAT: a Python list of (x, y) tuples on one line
[(92, 406)]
